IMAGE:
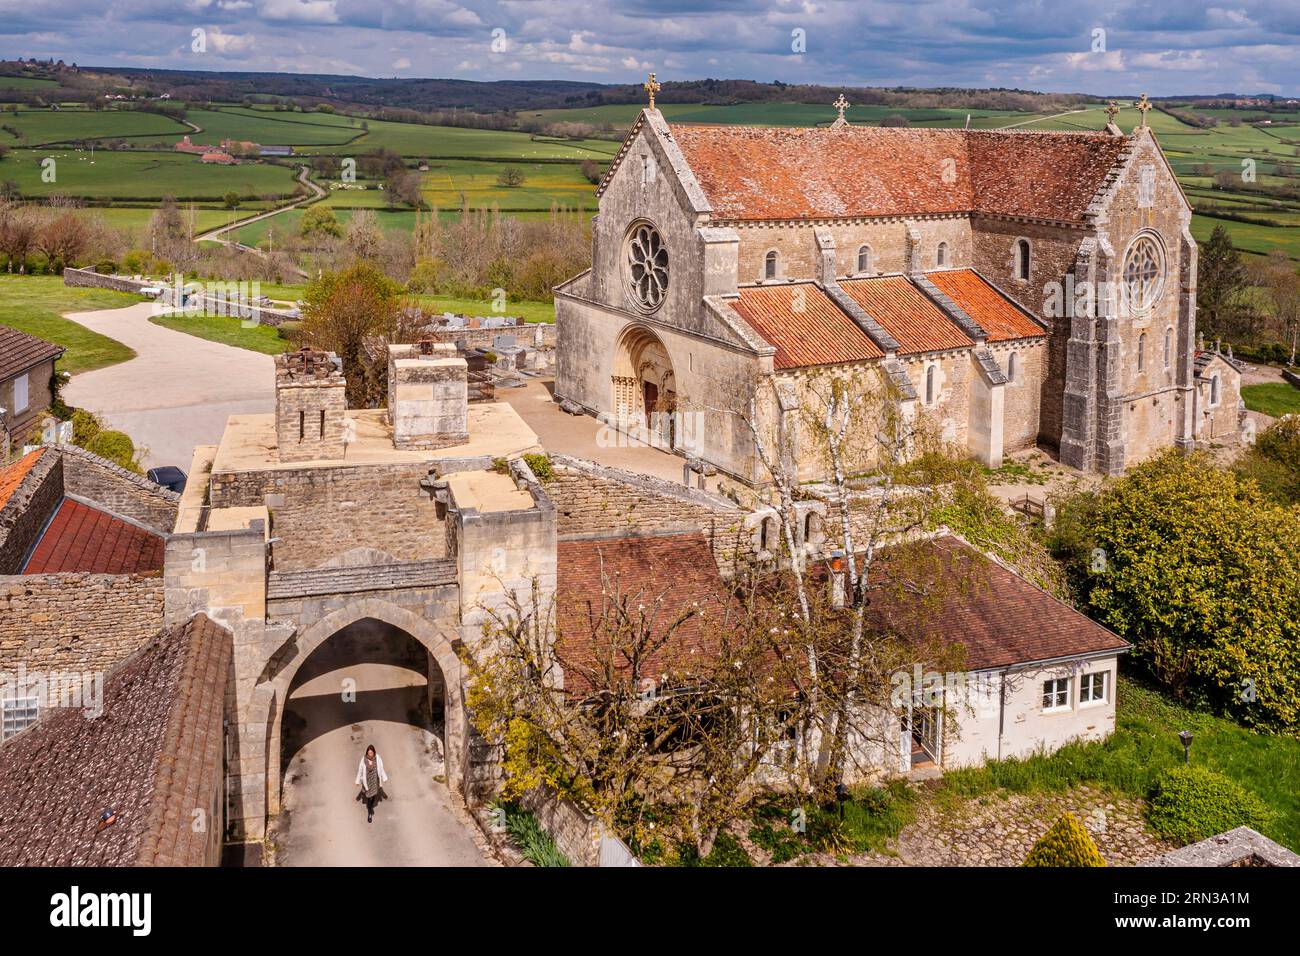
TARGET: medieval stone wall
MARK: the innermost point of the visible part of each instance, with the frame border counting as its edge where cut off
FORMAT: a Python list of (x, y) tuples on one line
[(118, 490), (76, 621), (28, 508), (320, 513), (886, 239), (1022, 398), (949, 413)]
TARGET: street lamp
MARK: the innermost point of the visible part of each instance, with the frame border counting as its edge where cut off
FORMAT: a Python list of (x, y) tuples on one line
[(1186, 737)]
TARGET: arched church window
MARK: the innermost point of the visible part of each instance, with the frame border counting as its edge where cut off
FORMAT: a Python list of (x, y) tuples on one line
[(1142, 350), (647, 266), (1214, 391), (1143, 274), (864, 259), (1012, 368), (929, 385), (941, 254), (1022, 259), (769, 265)]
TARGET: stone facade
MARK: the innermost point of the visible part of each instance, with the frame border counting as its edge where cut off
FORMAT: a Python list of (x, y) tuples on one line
[(118, 490), (21, 424), (76, 621), (428, 396), (309, 406)]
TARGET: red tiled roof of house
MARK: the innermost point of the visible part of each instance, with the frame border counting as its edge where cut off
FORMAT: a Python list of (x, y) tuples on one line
[(804, 325), (999, 617), (997, 315), (672, 571), (153, 756), (82, 538), (752, 173), (906, 313), (20, 351), (12, 475)]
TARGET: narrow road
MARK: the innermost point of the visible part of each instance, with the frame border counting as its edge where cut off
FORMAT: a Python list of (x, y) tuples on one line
[(177, 392), (214, 234), (323, 821)]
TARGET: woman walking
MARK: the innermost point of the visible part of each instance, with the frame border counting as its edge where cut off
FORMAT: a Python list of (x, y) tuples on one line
[(370, 777)]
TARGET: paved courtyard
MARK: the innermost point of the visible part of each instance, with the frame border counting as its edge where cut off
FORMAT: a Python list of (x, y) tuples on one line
[(177, 392)]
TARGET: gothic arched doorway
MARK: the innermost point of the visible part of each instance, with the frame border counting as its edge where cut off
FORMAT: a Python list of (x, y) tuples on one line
[(644, 387)]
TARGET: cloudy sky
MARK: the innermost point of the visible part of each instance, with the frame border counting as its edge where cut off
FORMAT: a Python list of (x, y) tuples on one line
[(1101, 46)]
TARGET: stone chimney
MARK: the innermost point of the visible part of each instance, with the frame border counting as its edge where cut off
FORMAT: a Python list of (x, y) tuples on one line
[(309, 405), (428, 395)]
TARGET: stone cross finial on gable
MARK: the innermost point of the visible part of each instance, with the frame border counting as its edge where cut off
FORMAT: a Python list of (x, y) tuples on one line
[(1112, 110), (651, 87), (1143, 105), (840, 104)]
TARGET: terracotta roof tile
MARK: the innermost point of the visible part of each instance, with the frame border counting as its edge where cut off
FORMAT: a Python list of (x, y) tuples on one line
[(12, 476), (672, 571), (997, 315), (804, 325), (20, 351), (751, 173), (60, 774), (906, 313), (82, 538)]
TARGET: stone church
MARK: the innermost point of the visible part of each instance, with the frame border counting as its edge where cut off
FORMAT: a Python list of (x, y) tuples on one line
[(1017, 288)]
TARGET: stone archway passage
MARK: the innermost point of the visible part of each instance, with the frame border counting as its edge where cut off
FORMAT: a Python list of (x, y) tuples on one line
[(428, 634), (644, 387)]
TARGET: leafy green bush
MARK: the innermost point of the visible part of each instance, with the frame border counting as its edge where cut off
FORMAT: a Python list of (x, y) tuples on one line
[(1194, 803), (534, 843), (726, 852), (1066, 843), (116, 446), (85, 426), (541, 466)]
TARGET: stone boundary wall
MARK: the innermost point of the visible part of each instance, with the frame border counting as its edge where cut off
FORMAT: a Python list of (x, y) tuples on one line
[(118, 490), (76, 620), (25, 513), (595, 499), (525, 335), (320, 513), (576, 834), (90, 279), (1291, 377)]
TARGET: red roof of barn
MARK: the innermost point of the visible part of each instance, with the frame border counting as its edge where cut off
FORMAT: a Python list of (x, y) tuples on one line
[(804, 325), (755, 173), (82, 538), (12, 475), (992, 311), (673, 571)]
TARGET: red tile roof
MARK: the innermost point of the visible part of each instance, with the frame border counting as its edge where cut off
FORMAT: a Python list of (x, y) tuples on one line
[(20, 351), (666, 573), (1000, 618), (82, 538), (751, 173), (804, 325), (997, 315), (906, 313), (12, 475), (153, 756)]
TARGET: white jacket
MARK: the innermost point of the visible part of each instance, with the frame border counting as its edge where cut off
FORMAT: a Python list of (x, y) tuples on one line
[(361, 771)]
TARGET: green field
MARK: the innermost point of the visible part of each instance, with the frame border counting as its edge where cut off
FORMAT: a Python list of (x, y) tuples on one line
[(412, 140), (36, 304), (529, 311), (771, 114), (1272, 398), (42, 127), (449, 184), (25, 83), (140, 175)]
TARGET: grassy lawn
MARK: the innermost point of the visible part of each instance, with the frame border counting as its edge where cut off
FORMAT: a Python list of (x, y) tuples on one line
[(1144, 745), (35, 305), (1272, 398), (227, 330), (62, 126), (529, 311), (141, 175)]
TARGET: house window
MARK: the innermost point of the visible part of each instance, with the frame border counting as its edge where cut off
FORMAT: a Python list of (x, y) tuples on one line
[(1022, 259), (1012, 367), (1168, 346), (22, 396), (929, 385), (769, 265), (941, 255), (1142, 350), (18, 713), (864, 259), (1092, 688), (1056, 693)]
